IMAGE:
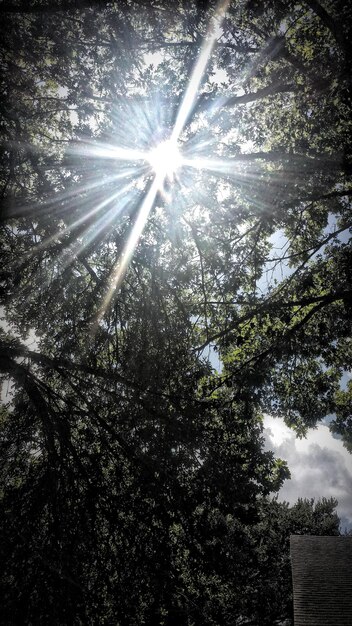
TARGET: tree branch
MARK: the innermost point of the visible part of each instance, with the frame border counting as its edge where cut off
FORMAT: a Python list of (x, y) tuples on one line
[(334, 27)]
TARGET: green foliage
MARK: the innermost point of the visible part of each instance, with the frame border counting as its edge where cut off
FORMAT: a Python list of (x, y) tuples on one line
[(342, 423), (135, 486)]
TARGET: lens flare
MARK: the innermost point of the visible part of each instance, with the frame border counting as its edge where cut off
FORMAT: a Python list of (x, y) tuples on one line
[(165, 159)]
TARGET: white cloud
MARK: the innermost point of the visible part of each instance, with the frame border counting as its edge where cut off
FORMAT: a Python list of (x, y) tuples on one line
[(320, 466)]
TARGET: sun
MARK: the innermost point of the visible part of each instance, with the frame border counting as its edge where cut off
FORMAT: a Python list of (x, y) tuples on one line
[(165, 159)]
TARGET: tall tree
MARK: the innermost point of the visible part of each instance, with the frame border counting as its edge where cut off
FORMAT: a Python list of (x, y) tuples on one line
[(135, 484)]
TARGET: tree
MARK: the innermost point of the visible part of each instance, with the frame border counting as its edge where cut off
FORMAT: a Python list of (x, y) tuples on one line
[(273, 585), (135, 484)]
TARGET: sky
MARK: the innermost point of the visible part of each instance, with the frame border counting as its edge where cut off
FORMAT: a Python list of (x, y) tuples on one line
[(320, 466)]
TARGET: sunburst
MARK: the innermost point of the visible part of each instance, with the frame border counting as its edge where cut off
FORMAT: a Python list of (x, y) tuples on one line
[(165, 159), (144, 168)]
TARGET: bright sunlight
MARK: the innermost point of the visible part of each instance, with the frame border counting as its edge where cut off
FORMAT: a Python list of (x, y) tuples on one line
[(165, 159)]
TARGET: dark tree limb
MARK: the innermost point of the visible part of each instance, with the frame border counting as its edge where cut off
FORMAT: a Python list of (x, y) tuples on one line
[(334, 27)]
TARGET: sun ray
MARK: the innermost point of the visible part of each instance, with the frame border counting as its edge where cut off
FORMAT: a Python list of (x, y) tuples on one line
[(69, 255), (165, 159), (116, 153), (159, 159), (83, 218), (122, 264), (94, 230), (198, 71)]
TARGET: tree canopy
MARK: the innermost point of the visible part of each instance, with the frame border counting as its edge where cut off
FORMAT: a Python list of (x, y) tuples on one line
[(176, 184)]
